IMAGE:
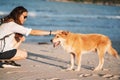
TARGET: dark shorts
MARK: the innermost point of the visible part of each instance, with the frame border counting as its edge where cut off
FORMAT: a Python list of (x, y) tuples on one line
[(8, 54)]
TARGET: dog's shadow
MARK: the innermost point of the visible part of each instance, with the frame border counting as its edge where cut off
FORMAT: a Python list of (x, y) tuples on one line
[(33, 57), (87, 67)]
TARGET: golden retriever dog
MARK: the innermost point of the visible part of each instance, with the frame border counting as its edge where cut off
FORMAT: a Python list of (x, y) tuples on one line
[(77, 44)]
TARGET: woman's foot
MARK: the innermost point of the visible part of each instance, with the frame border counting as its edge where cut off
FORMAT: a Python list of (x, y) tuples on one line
[(1, 63), (10, 64)]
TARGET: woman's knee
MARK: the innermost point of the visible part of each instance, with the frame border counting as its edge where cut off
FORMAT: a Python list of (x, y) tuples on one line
[(20, 54), (23, 54)]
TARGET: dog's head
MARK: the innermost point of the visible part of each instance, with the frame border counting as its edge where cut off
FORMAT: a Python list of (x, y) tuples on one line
[(59, 38)]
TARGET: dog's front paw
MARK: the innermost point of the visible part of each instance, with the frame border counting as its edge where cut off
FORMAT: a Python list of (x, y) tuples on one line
[(77, 69), (97, 69), (69, 69)]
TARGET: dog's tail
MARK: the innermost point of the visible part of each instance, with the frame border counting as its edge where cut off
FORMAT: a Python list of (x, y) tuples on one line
[(113, 52)]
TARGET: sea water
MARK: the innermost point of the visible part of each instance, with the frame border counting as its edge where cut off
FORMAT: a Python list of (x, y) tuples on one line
[(70, 16)]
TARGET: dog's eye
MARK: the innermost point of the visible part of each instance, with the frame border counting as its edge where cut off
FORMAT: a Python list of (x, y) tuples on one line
[(57, 36)]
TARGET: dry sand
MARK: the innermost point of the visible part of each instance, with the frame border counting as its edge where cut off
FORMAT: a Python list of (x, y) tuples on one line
[(47, 63)]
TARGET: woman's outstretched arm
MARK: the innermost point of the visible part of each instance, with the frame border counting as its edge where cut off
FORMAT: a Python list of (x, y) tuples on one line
[(42, 32)]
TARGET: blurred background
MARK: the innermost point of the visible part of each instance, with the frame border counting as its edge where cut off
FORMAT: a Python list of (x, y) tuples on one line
[(104, 2), (81, 16)]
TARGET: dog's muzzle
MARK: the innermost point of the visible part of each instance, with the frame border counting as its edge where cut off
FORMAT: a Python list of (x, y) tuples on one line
[(55, 43)]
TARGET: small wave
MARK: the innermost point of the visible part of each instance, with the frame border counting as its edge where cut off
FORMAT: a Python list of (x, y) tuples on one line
[(32, 14), (113, 17), (41, 14), (3, 13)]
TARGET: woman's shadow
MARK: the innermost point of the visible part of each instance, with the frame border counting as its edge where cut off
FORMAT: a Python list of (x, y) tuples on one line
[(33, 57)]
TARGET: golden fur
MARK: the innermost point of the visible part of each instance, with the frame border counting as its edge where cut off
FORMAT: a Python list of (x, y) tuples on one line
[(77, 44)]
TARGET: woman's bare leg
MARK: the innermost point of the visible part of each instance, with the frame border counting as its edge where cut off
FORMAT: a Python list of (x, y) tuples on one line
[(21, 54)]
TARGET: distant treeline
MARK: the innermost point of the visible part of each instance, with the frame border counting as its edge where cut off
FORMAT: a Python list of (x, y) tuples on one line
[(105, 2)]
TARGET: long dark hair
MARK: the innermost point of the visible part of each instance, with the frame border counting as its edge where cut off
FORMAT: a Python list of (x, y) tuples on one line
[(14, 15)]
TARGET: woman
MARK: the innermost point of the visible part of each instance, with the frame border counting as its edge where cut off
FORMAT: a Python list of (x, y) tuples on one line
[(11, 36)]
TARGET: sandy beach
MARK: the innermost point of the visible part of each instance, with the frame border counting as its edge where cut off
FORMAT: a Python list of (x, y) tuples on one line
[(47, 63)]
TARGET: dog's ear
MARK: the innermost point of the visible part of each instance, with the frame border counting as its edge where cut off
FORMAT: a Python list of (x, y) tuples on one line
[(65, 32)]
